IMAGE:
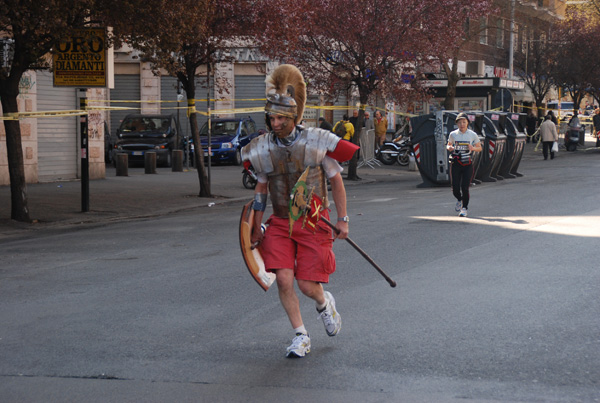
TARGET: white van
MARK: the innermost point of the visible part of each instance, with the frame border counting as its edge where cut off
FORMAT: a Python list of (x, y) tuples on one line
[(564, 111)]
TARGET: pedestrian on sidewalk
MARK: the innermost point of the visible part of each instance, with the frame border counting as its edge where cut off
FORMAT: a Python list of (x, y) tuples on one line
[(380, 124), (354, 120), (462, 143), (344, 129), (291, 247), (369, 125), (596, 121), (530, 125), (324, 124), (549, 135)]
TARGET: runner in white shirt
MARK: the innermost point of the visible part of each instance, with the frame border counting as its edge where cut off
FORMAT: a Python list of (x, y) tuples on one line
[(461, 143)]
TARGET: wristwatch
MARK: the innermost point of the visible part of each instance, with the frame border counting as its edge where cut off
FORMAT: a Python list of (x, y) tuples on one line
[(344, 219)]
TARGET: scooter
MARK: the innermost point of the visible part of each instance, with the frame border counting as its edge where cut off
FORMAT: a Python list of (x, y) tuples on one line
[(392, 152), (249, 179), (572, 136)]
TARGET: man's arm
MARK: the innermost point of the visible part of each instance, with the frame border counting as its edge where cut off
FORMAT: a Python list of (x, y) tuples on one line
[(555, 133), (338, 191), (257, 235), (476, 147), (450, 145)]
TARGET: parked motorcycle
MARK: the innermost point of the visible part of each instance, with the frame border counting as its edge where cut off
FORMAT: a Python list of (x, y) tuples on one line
[(572, 136), (395, 151), (249, 178)]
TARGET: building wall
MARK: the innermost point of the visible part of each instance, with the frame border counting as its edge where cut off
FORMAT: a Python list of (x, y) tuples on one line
[(530, 21), (26, 102), (62, 159)]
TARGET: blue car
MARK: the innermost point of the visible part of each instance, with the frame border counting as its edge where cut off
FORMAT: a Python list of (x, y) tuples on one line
[(228, 136)]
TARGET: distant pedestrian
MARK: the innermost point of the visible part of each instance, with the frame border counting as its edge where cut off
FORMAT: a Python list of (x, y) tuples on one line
[(325, 125), (369, 125), (380, 128), (462, 143), (596, 121), (552, 117), (530, 125), (354, 120), (549, 135), (344, 129)]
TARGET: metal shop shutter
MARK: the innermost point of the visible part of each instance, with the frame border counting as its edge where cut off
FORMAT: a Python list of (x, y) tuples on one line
[(127, 88), (57, 137), (168, 92), (251, 87)]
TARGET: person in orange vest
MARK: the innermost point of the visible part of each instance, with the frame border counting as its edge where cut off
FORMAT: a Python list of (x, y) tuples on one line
[(380, 128)]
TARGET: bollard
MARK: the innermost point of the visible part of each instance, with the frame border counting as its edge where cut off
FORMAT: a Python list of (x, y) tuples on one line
[(121, 163), (177, 161), (150, 162)]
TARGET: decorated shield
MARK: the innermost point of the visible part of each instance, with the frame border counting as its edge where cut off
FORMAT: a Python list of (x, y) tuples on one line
[(252, 257)]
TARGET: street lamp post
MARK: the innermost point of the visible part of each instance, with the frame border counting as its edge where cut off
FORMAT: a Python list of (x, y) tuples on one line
[(511, 52)]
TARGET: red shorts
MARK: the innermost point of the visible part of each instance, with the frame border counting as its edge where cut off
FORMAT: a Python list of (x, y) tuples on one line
[(308, 253)]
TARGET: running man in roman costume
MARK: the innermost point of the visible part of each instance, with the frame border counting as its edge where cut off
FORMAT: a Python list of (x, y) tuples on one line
[(298, 246)]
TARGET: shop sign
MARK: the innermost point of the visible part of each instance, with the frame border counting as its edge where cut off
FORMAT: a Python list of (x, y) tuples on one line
[(80, 60), (475, 82)]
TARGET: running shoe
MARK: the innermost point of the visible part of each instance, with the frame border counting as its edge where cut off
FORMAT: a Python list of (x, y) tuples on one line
[(463, 212), (331, 318), (458, 206), (300, 346)]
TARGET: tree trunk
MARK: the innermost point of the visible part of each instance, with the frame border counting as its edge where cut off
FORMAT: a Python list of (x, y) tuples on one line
[(189, 86), (199, 157), (9, 90), (452, 75)]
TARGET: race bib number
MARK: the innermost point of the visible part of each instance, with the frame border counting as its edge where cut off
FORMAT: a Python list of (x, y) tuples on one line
[(461, 146)]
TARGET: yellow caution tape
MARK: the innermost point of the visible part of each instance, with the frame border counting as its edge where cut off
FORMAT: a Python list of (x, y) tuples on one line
[(190, 108), (27, 115)]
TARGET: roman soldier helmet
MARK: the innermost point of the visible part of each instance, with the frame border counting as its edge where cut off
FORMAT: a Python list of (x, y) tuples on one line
[(286, 93)]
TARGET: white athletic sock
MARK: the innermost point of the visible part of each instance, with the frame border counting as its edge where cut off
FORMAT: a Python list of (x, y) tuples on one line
[(300, 329)]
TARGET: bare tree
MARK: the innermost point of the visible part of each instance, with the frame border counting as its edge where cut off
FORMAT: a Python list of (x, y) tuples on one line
[(536, 67), (376, 49), (576, 41), (180, 38)]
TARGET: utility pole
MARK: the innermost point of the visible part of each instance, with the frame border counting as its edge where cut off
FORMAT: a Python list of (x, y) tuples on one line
[(511, 51)]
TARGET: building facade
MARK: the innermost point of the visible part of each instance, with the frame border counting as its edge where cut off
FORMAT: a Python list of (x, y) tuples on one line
[(487, 79)]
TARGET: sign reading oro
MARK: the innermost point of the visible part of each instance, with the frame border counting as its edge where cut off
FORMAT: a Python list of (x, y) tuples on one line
[(80, 61)]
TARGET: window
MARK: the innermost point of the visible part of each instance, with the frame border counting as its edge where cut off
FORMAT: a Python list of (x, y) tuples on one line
[(500, 33), (527, 37), (516, 39), (483, 31)]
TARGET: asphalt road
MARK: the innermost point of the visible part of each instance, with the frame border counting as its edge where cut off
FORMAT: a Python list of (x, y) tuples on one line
[(501, 306)]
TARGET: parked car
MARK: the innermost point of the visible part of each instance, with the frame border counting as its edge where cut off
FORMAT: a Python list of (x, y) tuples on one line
[(228, 136), (139, 134)]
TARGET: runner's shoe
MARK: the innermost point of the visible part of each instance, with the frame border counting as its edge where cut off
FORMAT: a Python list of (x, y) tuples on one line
[(331, 318), (463, 212), (458, 206), (300, 346)]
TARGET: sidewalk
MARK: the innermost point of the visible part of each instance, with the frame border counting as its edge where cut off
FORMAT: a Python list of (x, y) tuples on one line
[(140, 195)]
